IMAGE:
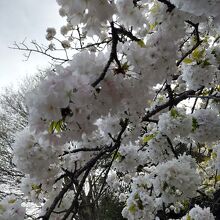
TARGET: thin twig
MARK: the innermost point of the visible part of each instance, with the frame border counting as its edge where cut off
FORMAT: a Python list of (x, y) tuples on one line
[(198, 41)]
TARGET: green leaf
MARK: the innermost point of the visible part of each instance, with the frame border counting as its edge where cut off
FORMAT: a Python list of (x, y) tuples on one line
[(140, 204), (214, 155), (205, 63), (132, 208), (59, 125), (188, 217), (205, 92), (136, 197), (55, 126), (51, 127), (148, 138), (188, 60), (12, 201), (35, 187), (141, 43), (218, 88), (125, 66), (195, 124), (198, 54), (118, 157), (174, 113), (2, 209), (152, 26), (186, 204), (165, 185), (217, 178)]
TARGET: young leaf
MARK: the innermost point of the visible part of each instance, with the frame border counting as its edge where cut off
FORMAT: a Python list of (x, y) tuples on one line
[(195, 124), (141, 43), (188, 60), (148, 138)]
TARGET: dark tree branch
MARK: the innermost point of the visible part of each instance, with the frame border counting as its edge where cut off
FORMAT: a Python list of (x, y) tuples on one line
[(135, 2), (56, 200), (106, 173), (198, 41), (80, 150), (194, 105), (170, 94), (126, 33), (171, 146), (214, 97), (169, 103), (86, 168), (113, 56), (75, 203)]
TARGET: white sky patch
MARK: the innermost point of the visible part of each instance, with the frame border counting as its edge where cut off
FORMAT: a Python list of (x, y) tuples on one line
[(19, 20)]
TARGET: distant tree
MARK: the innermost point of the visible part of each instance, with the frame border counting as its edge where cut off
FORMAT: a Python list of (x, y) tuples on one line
[(14, 118)]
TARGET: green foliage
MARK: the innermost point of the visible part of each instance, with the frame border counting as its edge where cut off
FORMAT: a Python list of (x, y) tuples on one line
[(132, 208), (110, 208), (198, 54), (125, 66), (174, 113), (148, 138), (188, 217), (118, 157), (2, 209), (56, 126), (141, 43), (205, 63), (188, 60), (195, 124)]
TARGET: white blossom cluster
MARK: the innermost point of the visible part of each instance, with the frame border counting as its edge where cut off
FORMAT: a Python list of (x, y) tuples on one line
[(85, 12), (198, 213), (175, 123), (31, 158), (176, 179), (130, 157), (203, 7), (140, 205), (197, 77), (11, 209), (206, 126), (159, 149)]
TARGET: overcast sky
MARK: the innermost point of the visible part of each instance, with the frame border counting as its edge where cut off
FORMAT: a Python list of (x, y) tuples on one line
[(19, 20)]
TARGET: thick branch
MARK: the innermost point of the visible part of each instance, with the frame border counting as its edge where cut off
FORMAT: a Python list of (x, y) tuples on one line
[(81, 149), (170, 103), (57, 199), (126, 33), (113, 56)]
